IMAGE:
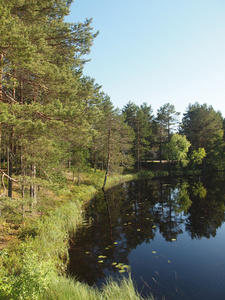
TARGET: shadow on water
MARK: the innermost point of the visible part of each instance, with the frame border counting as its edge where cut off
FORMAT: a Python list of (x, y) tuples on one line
[(159, 228)]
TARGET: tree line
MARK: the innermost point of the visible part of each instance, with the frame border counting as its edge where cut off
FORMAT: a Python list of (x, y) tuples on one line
[(52, 117)]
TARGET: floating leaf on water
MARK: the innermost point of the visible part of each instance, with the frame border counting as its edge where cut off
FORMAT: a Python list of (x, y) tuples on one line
[(122, 271), (126, 267), (138, 229), (125, 224), (173, 240), (102, 256), (153, 252), (147, 218), (154, 226), (129, 223), (100, 261), (115, 243), (119, 266), (114, 263), (169, 261), (107, 248), (87, 252)]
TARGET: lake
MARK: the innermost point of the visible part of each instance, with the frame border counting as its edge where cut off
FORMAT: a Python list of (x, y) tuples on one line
[(168, 233)]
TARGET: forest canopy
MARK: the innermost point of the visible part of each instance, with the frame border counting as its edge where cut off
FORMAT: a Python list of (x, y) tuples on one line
[(53, 117)]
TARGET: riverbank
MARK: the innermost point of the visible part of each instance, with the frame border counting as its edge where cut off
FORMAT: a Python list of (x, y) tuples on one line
[(33, 258)]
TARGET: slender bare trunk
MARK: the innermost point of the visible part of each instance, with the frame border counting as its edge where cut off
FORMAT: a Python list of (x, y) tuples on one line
[(108, 159), (11, 147), (33, 189), (138, 149), (10, 164), (22, 172)]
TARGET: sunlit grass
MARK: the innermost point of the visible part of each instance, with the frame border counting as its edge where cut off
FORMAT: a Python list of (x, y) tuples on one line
[(123, 289), (68, 289), (34, 266)]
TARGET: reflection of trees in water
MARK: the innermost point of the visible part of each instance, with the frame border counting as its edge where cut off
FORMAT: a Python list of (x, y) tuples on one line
[(122, 216), (129, 215), (173, 201), (206, 213)]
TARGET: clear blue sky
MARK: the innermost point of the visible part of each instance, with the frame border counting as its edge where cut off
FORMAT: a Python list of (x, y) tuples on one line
[(157, 51)]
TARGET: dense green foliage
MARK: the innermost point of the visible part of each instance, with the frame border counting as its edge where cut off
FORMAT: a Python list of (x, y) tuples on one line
[(53, 120), (177, 148), (48, 107), (203, 127)]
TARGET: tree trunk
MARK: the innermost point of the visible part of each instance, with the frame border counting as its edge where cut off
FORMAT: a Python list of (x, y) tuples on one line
[(11, 148), (23, 173), (108, 159), (10, 167), (33, 189), (138, 150)]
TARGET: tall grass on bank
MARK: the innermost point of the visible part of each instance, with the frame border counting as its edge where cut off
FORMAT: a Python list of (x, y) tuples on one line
[(34, 266), (68, 289)]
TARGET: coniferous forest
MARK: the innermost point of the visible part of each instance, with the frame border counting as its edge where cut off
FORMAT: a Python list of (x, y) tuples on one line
[(53, 117), (55, 120)]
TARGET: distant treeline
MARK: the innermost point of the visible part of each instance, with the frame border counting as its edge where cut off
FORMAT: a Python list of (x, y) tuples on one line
[(52, 117)]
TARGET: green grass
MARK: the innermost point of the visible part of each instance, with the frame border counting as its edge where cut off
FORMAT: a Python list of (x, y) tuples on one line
[(67, 289), (34, 265)]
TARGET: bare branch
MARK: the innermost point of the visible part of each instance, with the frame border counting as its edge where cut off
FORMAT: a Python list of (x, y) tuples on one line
[(9, 97), (3, 184), (4, 174), (43, 116)]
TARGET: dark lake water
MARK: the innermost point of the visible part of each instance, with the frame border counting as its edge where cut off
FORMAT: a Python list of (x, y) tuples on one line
[(169, 234)]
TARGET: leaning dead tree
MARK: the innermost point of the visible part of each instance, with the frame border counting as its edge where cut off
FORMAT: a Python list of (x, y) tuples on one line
[(3, 184)]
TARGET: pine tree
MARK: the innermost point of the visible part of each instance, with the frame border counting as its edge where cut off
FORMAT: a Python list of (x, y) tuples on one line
[(41, 80), (140, 120), (166, 121)]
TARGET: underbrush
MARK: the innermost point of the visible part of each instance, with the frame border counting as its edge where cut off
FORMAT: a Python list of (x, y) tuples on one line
[(33, 265)]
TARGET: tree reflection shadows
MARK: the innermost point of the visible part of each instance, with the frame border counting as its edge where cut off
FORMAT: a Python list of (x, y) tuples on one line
[(132, 213)]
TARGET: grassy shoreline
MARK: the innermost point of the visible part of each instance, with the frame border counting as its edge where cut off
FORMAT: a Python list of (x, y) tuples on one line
[(33, 265)]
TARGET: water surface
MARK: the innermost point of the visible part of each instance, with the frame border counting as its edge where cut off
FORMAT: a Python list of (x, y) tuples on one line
[(169, 231)]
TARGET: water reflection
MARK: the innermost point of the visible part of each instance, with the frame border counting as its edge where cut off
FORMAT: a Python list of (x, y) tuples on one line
[(131, 215)]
